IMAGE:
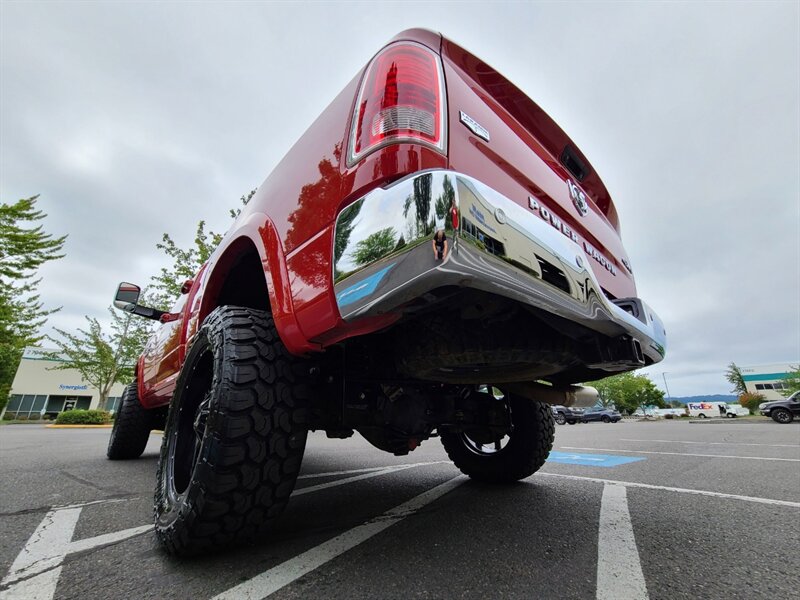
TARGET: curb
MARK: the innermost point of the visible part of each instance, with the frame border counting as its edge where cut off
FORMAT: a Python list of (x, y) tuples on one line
[(109, 426)]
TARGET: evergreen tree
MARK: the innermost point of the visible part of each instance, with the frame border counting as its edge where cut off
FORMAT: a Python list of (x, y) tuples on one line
[(24, 247)]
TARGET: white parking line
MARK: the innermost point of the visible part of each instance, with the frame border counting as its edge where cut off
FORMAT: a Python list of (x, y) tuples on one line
[(682, 454), (619, 570), (330, 484), (106, 539), (367, 469), (713, 443), (648, 486), (273, 579), (35, 572)]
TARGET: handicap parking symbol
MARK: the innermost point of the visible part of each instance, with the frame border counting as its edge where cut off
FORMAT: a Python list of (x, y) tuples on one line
[(592, 460)]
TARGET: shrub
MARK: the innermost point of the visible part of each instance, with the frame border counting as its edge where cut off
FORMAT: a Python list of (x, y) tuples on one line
[(83, 417), (9, 416), (751, 400)]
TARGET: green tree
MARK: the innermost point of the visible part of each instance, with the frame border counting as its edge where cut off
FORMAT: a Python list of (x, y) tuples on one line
[(166, 286), (24, 247), (791, 382), (420, 200), (375, 246), (186, 262), (628, 391), (103, 358), (734, 376), (444, 201), (344, 228)]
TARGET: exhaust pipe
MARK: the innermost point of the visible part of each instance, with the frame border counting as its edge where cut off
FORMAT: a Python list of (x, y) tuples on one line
[(573, 395)]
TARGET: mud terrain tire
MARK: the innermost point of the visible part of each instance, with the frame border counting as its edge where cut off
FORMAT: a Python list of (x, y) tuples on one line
[(132, 425), (526, 450), (235, 435)]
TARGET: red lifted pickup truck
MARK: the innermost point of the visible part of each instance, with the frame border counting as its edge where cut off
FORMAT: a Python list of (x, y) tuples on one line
[(434, 256)]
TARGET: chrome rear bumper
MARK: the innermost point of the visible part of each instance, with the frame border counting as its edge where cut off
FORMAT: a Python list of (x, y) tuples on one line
[(384, 258)]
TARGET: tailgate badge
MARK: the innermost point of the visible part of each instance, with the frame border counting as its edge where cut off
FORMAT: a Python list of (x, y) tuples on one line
[(578, 198), (474, 126)]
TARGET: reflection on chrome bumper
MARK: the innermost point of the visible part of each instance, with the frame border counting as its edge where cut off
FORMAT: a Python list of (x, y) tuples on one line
[(384, 257)]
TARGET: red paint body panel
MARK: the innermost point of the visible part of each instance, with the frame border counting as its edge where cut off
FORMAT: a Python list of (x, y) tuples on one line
[(290, 219), (518, 165), (302, 195), (162, 358)]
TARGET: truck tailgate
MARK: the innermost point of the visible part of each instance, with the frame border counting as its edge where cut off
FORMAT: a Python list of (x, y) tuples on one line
[(527, 155)]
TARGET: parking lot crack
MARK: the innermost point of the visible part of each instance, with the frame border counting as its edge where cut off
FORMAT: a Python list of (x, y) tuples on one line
[(91, 484)]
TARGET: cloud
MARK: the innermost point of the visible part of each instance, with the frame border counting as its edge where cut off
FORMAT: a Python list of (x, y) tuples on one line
[(136, 119)]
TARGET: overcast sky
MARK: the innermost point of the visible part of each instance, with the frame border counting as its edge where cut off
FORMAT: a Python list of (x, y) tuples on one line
[(135, 119)]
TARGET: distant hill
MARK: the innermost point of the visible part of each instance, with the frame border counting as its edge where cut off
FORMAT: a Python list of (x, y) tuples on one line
[(712, 398)]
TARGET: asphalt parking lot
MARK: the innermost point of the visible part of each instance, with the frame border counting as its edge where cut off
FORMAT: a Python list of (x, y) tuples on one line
[(629, 510)]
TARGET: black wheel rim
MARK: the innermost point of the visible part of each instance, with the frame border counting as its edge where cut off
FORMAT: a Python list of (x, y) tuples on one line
[(484, 443), (782, 416), (485, 449), (188, 427)]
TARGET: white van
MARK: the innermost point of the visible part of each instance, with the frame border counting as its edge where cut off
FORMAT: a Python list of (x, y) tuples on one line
[(709, 410), (737, 410)]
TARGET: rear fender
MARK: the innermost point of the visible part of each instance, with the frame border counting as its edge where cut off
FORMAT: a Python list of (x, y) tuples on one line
[(258, 231)]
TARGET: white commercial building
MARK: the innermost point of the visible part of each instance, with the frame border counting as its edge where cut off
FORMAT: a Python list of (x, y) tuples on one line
[(767, 380), (40, 391)]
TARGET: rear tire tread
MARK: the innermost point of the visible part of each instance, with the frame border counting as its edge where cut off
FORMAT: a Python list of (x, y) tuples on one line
[(254, 442), (132, 425)]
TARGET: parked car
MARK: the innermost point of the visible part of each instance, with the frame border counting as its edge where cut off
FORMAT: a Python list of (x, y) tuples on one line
[(567, 414), (606, 415), (782, 411), (432, 231)]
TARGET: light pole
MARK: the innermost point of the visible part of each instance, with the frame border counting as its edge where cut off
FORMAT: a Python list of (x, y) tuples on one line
[(664, 375)]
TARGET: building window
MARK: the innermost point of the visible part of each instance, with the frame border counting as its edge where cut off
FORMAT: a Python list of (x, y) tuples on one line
[(27, 403), (38, 403), (491, 244), (26, 406), (759, 386), (13, 403)]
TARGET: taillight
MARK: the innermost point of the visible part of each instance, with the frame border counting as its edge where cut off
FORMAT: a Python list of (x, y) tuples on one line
[(402, 98)]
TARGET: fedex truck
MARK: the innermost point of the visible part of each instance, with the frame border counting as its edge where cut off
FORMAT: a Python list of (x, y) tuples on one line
[(707, 410)]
